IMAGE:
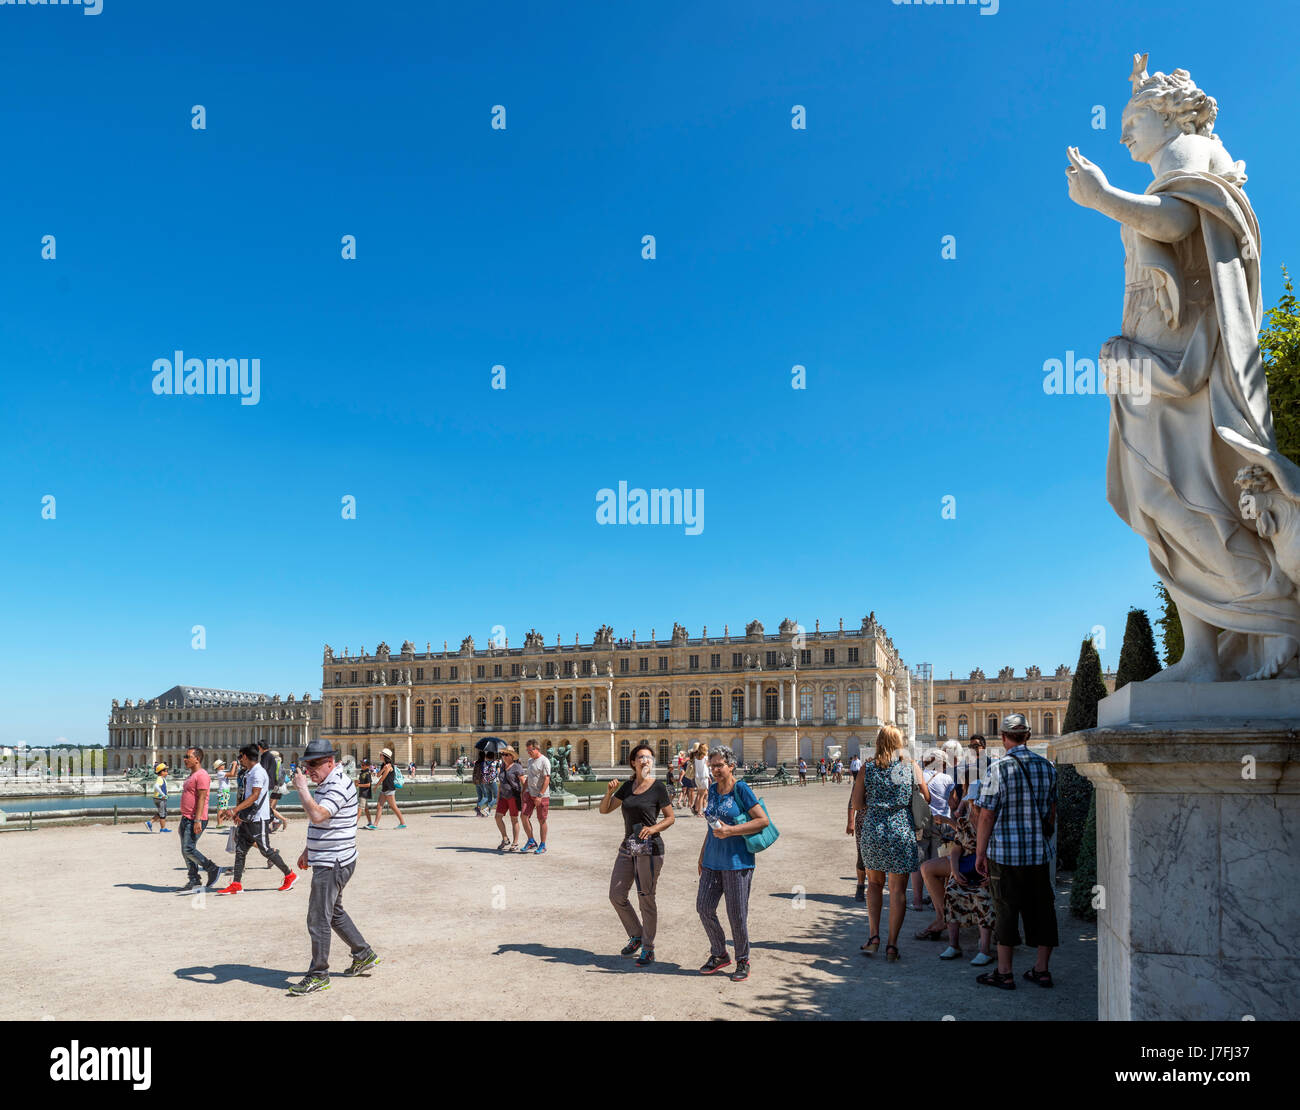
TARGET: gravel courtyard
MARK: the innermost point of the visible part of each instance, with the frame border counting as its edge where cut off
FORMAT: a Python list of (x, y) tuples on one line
[(95, 931)]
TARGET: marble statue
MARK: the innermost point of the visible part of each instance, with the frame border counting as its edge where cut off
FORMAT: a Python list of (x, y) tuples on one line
[(1193, 466)]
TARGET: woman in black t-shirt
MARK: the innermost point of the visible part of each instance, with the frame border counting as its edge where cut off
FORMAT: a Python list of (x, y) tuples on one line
[(647, 811)]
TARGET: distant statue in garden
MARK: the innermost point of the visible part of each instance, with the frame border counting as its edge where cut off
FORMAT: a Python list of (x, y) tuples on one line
[(1189, 398)]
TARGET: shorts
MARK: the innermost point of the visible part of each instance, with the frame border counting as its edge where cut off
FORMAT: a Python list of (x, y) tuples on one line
[(508, 805), (688, 784), (364, 792), (927, 847), (390, 793), (1023, 892), (541, 806), (160, 808)]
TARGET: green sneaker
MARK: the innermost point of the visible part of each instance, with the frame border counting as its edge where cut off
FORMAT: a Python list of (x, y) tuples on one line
[(309, 984), (362, 963)]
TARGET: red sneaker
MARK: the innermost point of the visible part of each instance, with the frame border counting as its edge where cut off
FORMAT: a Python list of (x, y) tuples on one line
[(233, 888), (289, 880)]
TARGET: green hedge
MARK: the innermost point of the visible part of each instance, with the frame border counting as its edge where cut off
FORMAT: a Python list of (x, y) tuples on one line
[(1085, 875)]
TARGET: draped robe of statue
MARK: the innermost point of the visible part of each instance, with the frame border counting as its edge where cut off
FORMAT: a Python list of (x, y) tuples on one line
[(1193, 308)]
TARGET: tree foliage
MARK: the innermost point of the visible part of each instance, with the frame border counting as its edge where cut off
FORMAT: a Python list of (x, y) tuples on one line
[(1137, 658), (1171, 626), (1279, 344), (1073, 790)]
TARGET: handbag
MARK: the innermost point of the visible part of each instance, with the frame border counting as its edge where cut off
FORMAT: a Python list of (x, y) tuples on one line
[(764, 838), (922, 814), (230, 841)]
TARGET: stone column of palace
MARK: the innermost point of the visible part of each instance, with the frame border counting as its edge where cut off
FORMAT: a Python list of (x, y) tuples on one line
[(780, 699), (1198, 848)]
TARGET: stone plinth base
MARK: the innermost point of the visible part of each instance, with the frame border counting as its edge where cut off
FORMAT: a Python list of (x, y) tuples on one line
[(1198, 860), (1238, 704)]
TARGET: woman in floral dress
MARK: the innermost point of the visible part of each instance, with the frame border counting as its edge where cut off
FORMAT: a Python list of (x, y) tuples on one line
[(888, 838)]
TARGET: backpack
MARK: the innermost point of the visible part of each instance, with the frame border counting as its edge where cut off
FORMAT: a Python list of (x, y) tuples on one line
[(398, 781)]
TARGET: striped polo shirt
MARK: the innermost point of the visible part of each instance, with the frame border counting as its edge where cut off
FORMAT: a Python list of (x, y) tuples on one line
[(334, 841)]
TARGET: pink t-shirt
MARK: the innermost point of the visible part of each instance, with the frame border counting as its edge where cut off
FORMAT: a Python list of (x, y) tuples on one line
[(199, 780)]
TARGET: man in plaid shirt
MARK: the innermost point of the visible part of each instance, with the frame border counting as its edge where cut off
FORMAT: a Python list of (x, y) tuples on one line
[(1013, 851)]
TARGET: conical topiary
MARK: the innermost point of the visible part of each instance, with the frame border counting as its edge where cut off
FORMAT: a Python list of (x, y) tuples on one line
[(1171, 626), (1073, 791), (1137, 658)]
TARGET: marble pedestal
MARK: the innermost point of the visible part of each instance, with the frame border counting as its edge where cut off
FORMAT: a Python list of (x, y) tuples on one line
[(1198, 851)]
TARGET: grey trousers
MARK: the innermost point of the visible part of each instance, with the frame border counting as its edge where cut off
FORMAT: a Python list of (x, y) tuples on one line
[(644, 870), (735, 886), (325, 912)]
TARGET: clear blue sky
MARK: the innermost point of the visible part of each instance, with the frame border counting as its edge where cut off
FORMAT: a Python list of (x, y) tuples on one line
[(522, 247)]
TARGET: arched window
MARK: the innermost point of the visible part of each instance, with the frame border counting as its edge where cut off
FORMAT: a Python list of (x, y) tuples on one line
[(392, 713), (353, 711), (828, 704), (498, 712), (586, 709), (993, 724), (643, 707), (715, 706), (338, 715), (1049, 725), (516, 708), (805, 703), (625, 708), (550, 709), (665, 706), (435, 713), (855, 704), (623, 751), (370, 711), (693, 705), (963, 727), (568, 709), (480, 712), (586, 752), (941, 726), (453, 713), (769, 703), (737, 706), (663, 753)]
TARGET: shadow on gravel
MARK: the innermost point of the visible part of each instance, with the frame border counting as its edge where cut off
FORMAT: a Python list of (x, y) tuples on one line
[(833, 979), (148, 887), (580, 957), (461, 848), (218, 974)]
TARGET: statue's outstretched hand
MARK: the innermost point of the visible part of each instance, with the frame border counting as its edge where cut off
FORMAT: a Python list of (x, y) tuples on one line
[(1086, 181)]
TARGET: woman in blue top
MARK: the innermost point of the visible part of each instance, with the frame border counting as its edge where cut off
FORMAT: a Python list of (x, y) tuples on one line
[(726, 863)]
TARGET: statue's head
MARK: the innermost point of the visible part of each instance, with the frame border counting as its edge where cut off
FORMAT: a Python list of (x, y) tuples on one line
[(1163, 106)]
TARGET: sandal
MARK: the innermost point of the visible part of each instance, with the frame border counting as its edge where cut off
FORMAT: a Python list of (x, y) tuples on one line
[(1005, 982), (897, 955), (1042, 978), (930, 934), (872, 946)]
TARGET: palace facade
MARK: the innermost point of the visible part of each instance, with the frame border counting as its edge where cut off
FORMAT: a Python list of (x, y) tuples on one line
[(218, 721), (768, 696), (957, 708)]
